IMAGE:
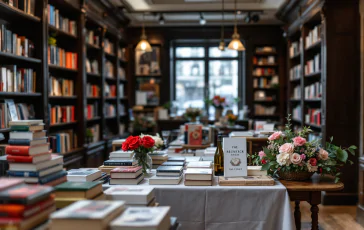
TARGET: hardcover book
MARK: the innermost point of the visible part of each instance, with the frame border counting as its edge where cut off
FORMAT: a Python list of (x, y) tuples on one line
[(198, 174), (119, 163), (86, 190), (6, 183), (194, 134), (122, 154), (198, 182), (126, 172), (25, 211), (29, 159), (24, 142), (25, 122), (79, 175), (25, 194), (30, 135), (36, 167), (131, 195), (173, 163), (247, 181), (180, 159), (199, 164), (35, 175), (27, 150), (165, 180), (125, 181), (77, 186), (169, 171), (235, 157)]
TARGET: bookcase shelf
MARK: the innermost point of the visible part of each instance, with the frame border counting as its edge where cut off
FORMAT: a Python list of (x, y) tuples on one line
[(92, 46), (13, 14), (96, 75), (313, 75), (63, 124), (62, 97), (316, 45), (314, 126), (73, 151), (61, 33), (13, 57), (94, 119), (60, 68), (265, 53), (11, 94)]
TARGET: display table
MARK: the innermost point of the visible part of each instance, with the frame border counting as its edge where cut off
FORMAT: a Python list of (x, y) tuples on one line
[(225, 207)]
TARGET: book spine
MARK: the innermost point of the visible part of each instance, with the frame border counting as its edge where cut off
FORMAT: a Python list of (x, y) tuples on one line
[(22, 142), (19, 128), (118, 163), (17, 150), (54, 176), (22, 174), (19, 159), (168, 171)]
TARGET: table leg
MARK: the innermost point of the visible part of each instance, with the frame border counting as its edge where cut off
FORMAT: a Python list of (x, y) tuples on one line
[(297, 215), (314, 216)]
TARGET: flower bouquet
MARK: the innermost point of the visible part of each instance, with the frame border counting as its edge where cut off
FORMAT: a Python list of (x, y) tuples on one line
[(142, 145), (219, 103), (231, 118), (291, 157), (193, 113)]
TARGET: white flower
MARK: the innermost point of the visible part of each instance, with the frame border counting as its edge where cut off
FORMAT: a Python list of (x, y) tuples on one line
[(158, 142), (283, 159), (311, 168)]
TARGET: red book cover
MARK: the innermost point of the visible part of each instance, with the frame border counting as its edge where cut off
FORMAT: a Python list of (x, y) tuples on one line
[(25, 194), (6, 183), (64, 115), (18, 150), (76, 58), (319, 118), (73, 113), (24, 159), (88, 112), (195, 134), (127, 169)]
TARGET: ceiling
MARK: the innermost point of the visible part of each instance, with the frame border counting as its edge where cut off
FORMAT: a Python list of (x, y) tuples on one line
[(188, 12)]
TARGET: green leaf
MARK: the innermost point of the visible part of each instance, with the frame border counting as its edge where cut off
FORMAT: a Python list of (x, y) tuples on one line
[(331, 138), (353, 147), (337, 179), (342, 155), (266, 151), (351, 151), (266, 167)]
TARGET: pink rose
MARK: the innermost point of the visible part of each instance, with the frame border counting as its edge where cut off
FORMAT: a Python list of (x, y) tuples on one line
[(275, 136), (303, 156), (296, 158), (286, 148), (299, 141), (323, 154), (261, 154)]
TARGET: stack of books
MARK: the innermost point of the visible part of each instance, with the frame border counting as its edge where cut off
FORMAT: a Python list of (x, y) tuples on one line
[(85, 174), (143, 218), (177, 159), (200, 164), (70, 192), (24, 206), (198, 177), (87, 214), (133, 196), (158, 158), (29, 156), (121, 155), (167, 175), (129, 175), (111, 164)]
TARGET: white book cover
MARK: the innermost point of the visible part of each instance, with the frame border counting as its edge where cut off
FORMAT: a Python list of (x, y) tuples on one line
[(131, 195), (235, 162), (83, 174), (148, 217), (199, 164), (88, 209), (124, 154), (198, 171), (165, 180)]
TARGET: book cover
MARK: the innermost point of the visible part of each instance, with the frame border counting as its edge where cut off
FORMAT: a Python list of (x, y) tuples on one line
[(199, 164), (173, 169), (132, 169), (131, 195), (82, 172), (235, 157), (29, 159), (55, 160), (194, 134), (181, 159), (119, 163), (25, 142), (6, 183), (27, 150), (173, 163), (76, 186), (36, 174), (52, 177), (25, 194)]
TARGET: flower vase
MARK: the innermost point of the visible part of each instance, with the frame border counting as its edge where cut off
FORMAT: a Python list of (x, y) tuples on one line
[(193, 119), (295, 176), (143, 160), (218, 113), (231, 123)]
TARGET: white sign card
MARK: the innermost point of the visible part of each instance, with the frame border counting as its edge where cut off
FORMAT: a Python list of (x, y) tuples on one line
[(235, 158)]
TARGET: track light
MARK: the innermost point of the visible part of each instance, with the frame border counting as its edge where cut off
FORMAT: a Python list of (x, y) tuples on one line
[(202, 19), (161, 20), (255, 18)]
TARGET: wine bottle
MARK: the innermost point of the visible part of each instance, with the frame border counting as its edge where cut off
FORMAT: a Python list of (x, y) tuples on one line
[(219, 158)]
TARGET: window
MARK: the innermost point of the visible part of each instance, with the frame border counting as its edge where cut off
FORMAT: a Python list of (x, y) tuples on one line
[(202, 71)]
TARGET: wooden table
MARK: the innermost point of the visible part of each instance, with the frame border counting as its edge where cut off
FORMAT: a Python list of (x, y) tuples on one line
[(309, 191)]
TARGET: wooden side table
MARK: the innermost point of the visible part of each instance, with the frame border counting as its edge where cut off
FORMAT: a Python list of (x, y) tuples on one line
[(309, 191)]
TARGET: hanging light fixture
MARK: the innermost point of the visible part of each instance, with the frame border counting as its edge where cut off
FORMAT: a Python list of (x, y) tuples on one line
[(236, 44), (143, 44), (222, 43)]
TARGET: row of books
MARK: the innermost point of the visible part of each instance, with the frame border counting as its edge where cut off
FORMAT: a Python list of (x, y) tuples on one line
[(91, 38), (313, 116), (109, 69), (108, 46), (297, 113), (295, 48), (264, 71), (265, 82), (63, 142), (264, 110), (314, 65), (110, 110), (295, 72), (13, 43), (13, 79), (61, 87), (58, 56), (314, 136), (94, 131), (28, 6), (261, 95), (9, 111), (60, 22), (92, 66), (122, 110), (313, 91), (297, 93), (265, 49), (62, 114), (109, 165), (121, 73), (270, 60), (92, 90), (122, 54), (92, 110), (313, 36), (110, 90), (121, 90)]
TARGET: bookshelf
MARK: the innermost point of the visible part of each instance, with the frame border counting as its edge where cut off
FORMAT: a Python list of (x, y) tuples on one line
[(63, 75)]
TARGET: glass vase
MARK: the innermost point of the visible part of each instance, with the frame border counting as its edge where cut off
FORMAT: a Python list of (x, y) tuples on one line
[(218, 113), (144, 160)]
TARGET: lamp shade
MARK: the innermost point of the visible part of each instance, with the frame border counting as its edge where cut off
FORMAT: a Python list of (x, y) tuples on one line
[(235, 43), (144, 45), (222, 46)]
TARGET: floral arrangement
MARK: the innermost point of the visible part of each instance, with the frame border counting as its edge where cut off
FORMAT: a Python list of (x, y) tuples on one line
[(193, 112), (218, 102), (231, 118), (291, 152)]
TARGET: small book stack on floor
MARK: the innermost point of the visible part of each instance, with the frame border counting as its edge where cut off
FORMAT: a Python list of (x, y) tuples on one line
[(29, 156), (129, 175), (143, 218), (111, 164), (167, 175), (24, 206), (133, 196), (87, 214), (70, 192), (121, 155), (86, 174), (198, 177)]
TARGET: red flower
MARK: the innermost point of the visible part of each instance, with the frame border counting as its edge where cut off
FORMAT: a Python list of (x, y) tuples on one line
[(147, 142), (313, 161), (216, 97), (133, 142), (264, 161), (320, 169), (125, 145)]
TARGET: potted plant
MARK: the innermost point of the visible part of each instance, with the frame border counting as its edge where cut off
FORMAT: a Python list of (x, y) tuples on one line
[(231, 118), (193, 113), (89, 136), (219, 103)]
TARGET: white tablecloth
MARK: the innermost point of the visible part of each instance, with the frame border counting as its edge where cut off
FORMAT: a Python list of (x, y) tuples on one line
[(226, 207)]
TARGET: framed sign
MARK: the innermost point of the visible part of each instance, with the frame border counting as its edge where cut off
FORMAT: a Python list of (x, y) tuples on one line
[(148, 63), (235, 157)]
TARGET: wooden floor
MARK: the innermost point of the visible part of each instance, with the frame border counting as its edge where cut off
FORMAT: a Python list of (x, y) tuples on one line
[(331, 217)]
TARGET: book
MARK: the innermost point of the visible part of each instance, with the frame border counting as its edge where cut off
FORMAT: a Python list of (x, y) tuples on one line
[(235, 157), (29, 159), (25, 122), (55, 160), (25, 194), (34, 175), (45, 179), (79, 175), (256, 171), (169, 171), (120, 163), (151, 218), (27, 150), (198, 182), (180, 159), (126, 172), (30, 135), (6, 183), (199, 164), (25, 142), (122, 154), (194, 134), (173, 163), (57, 181), (78, 189), (247, 181), (131, 195), (87, 214), (165, 180), (26, 128), (198, 174), (123, 181)]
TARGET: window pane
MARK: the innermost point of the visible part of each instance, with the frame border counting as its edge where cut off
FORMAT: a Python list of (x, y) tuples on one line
[(215, 52), (187, 52), (189, 85), (223, 81)]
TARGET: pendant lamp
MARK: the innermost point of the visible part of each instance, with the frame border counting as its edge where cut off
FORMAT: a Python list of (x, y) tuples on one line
[(143, 44), (222, 42), (235, 43)]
